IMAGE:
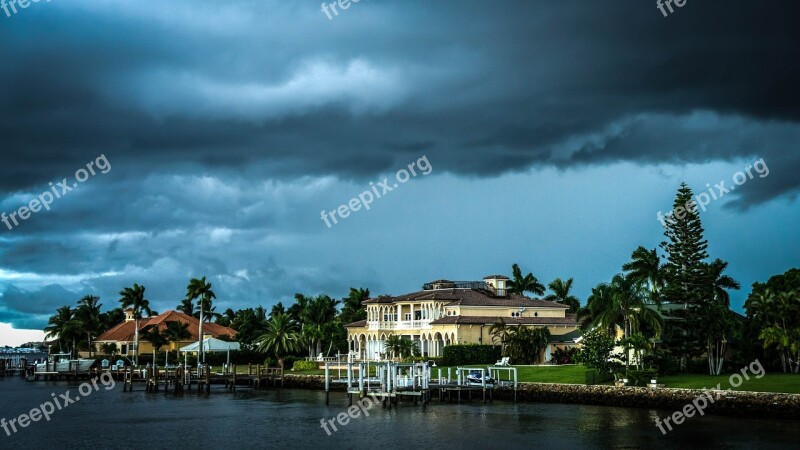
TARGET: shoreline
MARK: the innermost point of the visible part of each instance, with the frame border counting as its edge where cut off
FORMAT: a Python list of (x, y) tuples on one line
[(734, 403)]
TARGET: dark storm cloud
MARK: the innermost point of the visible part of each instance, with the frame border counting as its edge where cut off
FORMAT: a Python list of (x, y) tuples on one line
[(278, 94)]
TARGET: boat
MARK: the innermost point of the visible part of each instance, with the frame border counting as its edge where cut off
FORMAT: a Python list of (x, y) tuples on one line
[(477, 377), (61, 363)]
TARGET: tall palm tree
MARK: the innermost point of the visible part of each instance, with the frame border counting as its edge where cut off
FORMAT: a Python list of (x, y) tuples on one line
[(277, 308), (226, 318), (133, 298), (199, 289), (281, 337), (319, 313), (63, 326), (645, 270), (352, 311), (156, 339), (89, 318), (720, 284), (561, 294), (175, 333), (519, 284)]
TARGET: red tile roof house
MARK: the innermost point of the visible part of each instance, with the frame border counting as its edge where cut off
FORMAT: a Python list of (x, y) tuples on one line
[(123, 333)]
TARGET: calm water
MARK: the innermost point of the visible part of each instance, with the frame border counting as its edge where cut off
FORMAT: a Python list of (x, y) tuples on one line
[(291, 419)]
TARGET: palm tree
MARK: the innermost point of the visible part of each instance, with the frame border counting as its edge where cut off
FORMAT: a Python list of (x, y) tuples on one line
[(500, 332), (133, 298), (526, 343), (645, 270), (156, 339), (352, 311), (89, 318), (409, 348), (277, 308), (394, 345), (281, 337), (175, 333), (109, 349), (186, 306), (199, 289), (619, 304), (561, 294), (226, 318), (63, 326), (720, 283), (520, 284)]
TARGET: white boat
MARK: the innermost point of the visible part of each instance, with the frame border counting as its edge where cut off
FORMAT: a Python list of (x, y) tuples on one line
[(61, 363)]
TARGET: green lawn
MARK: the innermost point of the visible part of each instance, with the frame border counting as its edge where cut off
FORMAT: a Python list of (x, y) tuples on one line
[(772, 382)]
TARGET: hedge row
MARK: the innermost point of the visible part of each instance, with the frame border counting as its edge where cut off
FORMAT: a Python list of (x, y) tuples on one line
[(458, 355)]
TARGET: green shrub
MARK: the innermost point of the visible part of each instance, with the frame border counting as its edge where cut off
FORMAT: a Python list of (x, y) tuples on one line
[(305, 365), (641, 377), (289, 360), (564, 356), (458, 355), (594, 376)]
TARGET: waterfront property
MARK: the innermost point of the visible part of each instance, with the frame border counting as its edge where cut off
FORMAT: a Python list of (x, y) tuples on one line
[(123, 334), (456, 312)]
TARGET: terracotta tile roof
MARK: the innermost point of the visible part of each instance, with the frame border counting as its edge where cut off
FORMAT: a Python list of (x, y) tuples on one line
[(569, 320), (125, 331), (468, 297)]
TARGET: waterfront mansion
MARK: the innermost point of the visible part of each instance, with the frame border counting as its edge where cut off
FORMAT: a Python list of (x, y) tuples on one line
[(456, 312)]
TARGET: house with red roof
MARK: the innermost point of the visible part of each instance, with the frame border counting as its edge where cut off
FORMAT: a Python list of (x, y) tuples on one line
[(123, 334)]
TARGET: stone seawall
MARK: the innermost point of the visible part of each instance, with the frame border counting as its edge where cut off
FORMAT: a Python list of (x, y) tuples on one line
[(756, 404)]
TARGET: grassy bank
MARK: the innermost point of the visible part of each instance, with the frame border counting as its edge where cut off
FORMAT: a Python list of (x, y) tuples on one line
[(540, 374), (771, 382)]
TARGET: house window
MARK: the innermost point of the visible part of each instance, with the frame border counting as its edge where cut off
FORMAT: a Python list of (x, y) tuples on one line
[(516, 314), (408, 316)]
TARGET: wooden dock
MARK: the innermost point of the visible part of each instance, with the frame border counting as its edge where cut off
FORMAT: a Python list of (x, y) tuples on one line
[(395, 381)]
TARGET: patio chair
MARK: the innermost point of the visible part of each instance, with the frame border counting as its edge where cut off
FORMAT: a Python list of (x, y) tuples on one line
[(504, 361)]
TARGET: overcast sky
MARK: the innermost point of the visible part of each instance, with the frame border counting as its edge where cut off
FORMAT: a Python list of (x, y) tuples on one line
[(555, 132)]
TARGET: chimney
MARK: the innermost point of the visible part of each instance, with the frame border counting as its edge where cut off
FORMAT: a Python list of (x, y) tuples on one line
[(129, 315)]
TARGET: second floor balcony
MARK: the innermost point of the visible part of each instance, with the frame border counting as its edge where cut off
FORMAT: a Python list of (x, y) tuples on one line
[(400, 325)]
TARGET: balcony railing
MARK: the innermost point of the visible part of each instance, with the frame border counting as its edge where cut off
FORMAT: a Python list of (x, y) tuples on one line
[(400, 325), (480, 285)]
